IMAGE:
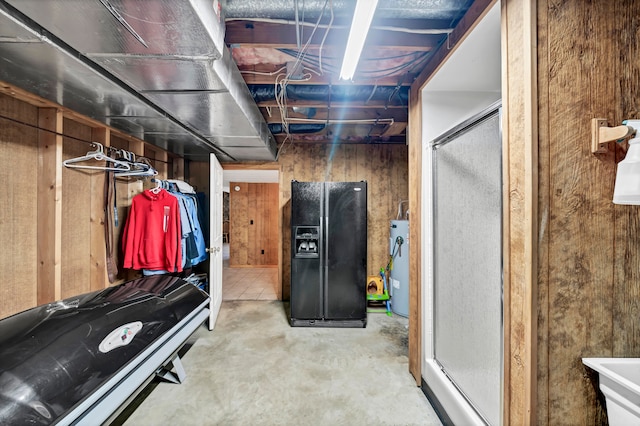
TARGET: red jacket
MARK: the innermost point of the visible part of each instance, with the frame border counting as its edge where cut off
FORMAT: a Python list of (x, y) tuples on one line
[(151, 238)]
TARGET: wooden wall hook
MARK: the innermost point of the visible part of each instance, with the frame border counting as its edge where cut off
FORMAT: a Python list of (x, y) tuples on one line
[(601, 134)]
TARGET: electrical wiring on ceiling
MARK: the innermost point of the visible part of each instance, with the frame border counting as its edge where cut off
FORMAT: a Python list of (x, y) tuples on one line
[(292, 52), (416, 59), (282, 80), (304, 63), (325, 38), (278, 71)]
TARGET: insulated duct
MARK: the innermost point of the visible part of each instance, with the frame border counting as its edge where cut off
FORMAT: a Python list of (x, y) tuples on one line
[(155, 69), (338, 93), (302, 128)]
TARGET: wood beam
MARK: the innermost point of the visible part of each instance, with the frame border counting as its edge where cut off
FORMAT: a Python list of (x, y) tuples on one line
[(323, 139), (24, 96), (137, 186), (98, 250), (162, 165), (520, 171), (414, 138), (50, 120), (395, 128), (258, 165), (268, 34), (397, 114), (334, 104), (178, 168), (261, 74)]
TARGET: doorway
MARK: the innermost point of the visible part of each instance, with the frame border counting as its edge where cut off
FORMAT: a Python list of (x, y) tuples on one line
[(251, 266)]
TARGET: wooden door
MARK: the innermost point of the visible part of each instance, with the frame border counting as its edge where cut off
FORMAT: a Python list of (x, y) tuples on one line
[(215, 249)]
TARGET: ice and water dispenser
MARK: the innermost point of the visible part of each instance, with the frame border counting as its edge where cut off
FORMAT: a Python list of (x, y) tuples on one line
[(307, 241)]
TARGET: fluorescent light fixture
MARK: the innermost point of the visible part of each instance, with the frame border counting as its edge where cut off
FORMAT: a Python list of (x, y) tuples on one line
[(362, 17)]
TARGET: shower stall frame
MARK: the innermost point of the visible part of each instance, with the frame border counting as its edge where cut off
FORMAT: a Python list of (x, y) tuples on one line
[(441, 389)]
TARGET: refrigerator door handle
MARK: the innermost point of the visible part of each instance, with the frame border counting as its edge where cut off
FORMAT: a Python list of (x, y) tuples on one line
[(326, 239), (321, 246), (324, 216), (325, 265)]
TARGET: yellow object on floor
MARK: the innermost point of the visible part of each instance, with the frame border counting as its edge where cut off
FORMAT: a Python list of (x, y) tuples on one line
[(374, 285), (377, 294)]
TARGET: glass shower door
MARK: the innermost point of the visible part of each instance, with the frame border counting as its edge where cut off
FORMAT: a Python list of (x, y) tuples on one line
[(468, 328)]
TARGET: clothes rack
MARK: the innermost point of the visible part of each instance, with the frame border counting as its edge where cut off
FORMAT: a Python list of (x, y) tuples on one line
[(122, 162), (185, 249)]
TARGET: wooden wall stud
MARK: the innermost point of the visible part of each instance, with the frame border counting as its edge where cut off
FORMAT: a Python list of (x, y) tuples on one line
[(50, 120)]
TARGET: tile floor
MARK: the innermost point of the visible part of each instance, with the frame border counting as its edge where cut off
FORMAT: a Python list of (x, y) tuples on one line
[(247, 283)]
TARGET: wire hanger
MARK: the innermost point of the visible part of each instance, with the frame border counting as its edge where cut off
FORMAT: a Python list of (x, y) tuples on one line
[(97, 155), (138, 170), (140, 167)]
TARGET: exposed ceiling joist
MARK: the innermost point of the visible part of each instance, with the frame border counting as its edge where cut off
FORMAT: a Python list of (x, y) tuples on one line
[(335, 104), (324, 139), (167, 94), (395, 128), (395, 114), (276, 47), (267, 74), (276, 35)]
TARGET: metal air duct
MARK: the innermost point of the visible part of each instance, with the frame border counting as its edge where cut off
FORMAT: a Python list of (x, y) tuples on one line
[(156, 69)]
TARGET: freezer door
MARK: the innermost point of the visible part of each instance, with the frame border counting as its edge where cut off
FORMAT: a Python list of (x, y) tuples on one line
[(346, 250), (306, 203), (306, 270)]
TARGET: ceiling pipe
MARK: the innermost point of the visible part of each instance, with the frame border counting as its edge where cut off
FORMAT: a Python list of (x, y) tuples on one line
[(389, 9), (422, 31)]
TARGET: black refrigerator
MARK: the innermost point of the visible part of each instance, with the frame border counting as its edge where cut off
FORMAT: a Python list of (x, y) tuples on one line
[(328, 254)]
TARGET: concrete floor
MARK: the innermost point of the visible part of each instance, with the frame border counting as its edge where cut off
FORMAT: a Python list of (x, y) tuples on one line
[(254, 369)]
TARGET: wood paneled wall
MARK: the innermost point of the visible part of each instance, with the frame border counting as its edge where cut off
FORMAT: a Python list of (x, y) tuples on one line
[(19, 207), (198, 172), (78, 198), (589, 67), (588, 250), (384, 167), (253, 224), (52, 218)]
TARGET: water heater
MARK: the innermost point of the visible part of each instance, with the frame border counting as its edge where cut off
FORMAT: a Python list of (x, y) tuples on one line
[(399, 274)]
